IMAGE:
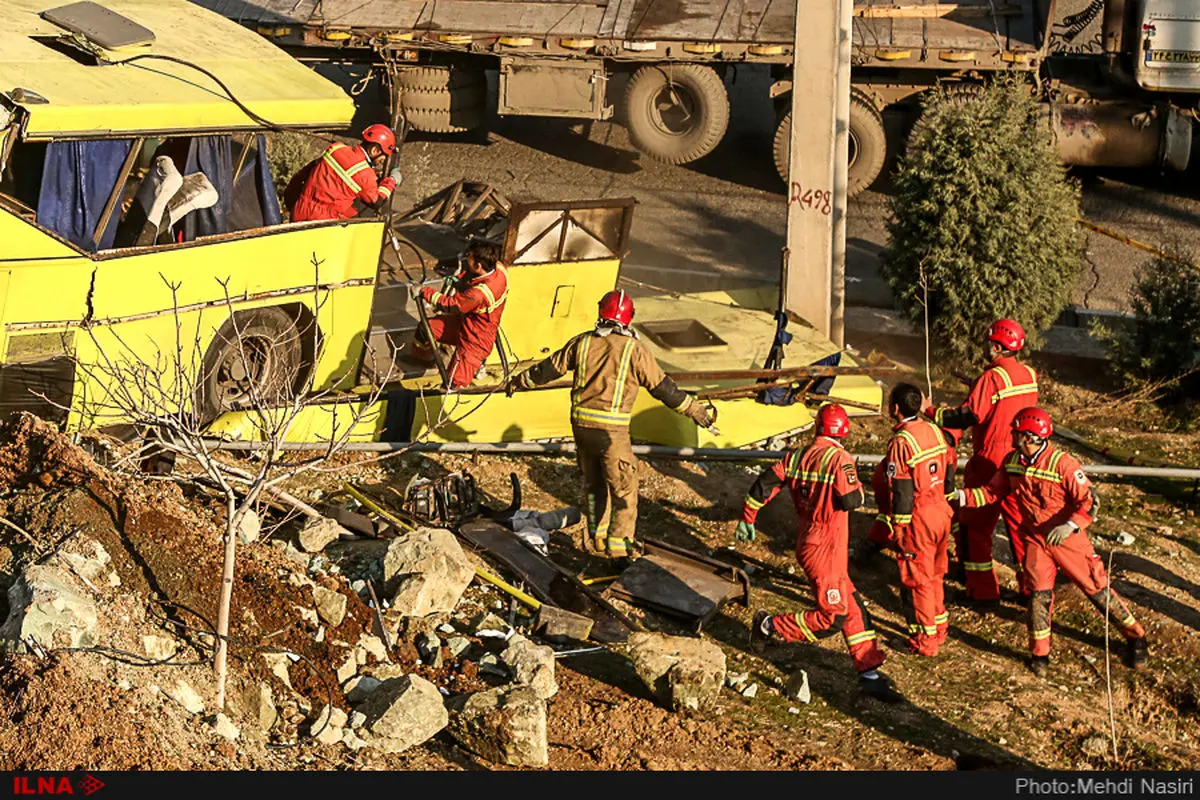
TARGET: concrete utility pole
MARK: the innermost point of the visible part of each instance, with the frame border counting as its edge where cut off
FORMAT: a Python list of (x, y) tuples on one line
[(815, 255)]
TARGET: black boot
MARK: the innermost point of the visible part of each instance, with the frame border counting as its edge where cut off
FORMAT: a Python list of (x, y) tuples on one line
[(1039, 665), (1136, 653), (760, 630)]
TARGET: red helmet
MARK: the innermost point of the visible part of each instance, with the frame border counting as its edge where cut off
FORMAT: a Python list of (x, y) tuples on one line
[(1007, 333), (832, 420), (381, 135), (616, 306), (1035, 421)]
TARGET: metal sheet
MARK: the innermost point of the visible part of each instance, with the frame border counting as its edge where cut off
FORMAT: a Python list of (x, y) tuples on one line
[(548, 582), (686, 585)]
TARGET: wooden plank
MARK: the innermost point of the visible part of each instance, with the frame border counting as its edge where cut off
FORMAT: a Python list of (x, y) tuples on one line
[(935, 10)]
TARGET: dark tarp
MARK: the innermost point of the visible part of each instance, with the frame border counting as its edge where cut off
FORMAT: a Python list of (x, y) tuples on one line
[(255, 203), (77, 180), (212, 155)]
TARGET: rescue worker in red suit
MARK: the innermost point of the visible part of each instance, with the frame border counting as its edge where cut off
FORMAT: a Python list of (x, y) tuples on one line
[(327, 187), (469, 312), (1005, 387), (916, 466), (879, 536), (1054, 503), (824, 485)]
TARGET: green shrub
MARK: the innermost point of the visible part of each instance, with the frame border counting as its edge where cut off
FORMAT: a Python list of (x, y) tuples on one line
[(288, 153), (1164, 340), (983, 211)]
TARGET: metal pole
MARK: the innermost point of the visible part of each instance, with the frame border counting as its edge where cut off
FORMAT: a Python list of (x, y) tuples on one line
[(648, 450), (841, 169), (808, 255)]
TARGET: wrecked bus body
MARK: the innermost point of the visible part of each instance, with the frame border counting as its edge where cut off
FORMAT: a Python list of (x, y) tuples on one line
[(322, 307)]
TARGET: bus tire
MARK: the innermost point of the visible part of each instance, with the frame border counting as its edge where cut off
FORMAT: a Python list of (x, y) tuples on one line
[(868, 145), (256, 354), (676, 113)]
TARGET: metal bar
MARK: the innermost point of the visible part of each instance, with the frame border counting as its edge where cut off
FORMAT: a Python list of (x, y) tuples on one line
[(131, 158), (841, 173), (648, 450)]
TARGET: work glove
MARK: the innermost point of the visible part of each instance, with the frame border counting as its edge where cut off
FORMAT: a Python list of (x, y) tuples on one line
[(397, 176), (701, 414), (745, 532), (1059, 534)]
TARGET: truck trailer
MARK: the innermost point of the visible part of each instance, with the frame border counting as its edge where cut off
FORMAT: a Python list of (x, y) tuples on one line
[(1129, 101)]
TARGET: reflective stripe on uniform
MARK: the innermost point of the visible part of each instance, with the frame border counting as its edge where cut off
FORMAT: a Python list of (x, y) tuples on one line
[(622, 376), (1031, 472), (902, 519), (1041, 633), (752, 504), (978, 497), (580, 369), (1012, 390), (804, 629), (862, 636), (492, 301), (978, 566), (920, 455), (347, 175), (602, 417), (942, 618)]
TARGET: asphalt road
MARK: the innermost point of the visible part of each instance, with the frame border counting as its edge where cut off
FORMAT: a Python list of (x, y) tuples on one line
[(722, 219)]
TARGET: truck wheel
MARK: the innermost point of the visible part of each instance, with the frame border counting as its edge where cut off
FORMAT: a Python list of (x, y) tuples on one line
[(256, 353), (868, 145), (425, 79), (677, 113), (443, 99)]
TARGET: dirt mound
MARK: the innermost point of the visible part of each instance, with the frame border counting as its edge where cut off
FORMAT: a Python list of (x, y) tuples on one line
[(34, 453)]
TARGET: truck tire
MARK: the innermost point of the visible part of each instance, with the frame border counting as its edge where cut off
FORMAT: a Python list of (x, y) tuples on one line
[(424, 79), (458, 120), (678, 112), (868, 145), (271, 368), (439, 100)]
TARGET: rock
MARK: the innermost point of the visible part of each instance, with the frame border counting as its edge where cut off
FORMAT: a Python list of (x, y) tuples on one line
[(114, 580), (158, 648), (430, 648), (351, 740), (1125, 539), (797, 687), (403, 712), (1095, 746), (260, 706), (308, 615), (681, 671), (87, 558), (750, 692), (249, 528), (488, 625), (793, 710), (532, 665), (186, 696), (360, 588), (320, 637), (223, 727), (48, 604), (357, 719), (369, 645), (504, 725), (328, 725), (457, 645), (331, 605), (360, 687), (278, 664), (426, 571), (317, 534), (734, 680), (446, 628), (295, 555), (348, 669)]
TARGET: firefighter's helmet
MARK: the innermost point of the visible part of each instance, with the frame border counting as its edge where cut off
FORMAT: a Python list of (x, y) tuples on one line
[(381, 135), (1035, 421), (616, 306), (1007, 333), (833, 421)]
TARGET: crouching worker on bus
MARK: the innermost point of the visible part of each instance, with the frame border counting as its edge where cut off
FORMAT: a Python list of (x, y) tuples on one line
[(327, 187), (469, 312)]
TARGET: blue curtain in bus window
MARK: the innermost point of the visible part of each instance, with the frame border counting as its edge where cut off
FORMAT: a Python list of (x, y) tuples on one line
[(266, 185), (212, 155), (77, 180)]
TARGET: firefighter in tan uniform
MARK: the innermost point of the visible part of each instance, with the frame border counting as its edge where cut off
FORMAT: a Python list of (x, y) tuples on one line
[(610, 364)]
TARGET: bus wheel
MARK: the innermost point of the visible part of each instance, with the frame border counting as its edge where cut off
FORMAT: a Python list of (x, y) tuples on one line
[(677, 113), (868, 145), (256, 357)]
